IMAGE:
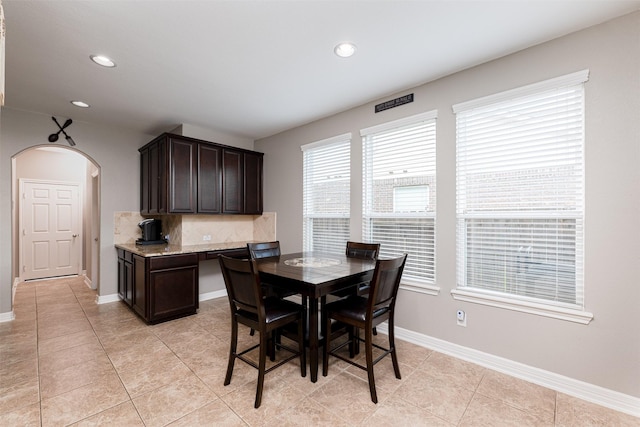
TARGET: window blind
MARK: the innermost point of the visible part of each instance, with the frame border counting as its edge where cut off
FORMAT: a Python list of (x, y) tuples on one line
[(326, 193), (399, 193), (520, 193)]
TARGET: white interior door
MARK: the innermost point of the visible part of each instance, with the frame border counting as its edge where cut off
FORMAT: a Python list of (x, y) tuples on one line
[(51, 242)]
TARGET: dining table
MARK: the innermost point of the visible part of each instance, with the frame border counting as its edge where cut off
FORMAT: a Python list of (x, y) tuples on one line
[(314, 275)]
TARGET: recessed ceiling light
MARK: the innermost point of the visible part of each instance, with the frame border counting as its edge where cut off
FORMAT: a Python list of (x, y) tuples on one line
[(345, 49), (103, 60), (80, 104)]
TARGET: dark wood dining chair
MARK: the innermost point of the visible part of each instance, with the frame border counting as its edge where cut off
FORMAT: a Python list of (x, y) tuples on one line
[(363, 251), (261, 250), (263, 314), (360, 312)]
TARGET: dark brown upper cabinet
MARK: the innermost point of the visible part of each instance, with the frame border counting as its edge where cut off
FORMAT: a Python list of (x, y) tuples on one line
[(181, 175), (209, 179), (232, 182), (241, 182), (183, 159), (253, 183), (153, 178)]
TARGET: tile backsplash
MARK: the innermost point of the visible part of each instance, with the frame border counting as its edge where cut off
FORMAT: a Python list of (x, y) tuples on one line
[(199, 229)]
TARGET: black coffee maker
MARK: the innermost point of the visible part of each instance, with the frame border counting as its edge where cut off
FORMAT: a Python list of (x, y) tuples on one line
[(151, 232)]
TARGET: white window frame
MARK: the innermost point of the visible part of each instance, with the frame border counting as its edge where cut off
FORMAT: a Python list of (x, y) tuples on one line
[(569, 312), (330, 151), (368, 212)]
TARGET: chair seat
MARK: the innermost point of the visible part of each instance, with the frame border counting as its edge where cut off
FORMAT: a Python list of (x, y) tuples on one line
[(353, 307), (275, 309)]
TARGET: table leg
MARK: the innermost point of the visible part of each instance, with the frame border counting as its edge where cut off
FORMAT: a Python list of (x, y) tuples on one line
[(313, 338)]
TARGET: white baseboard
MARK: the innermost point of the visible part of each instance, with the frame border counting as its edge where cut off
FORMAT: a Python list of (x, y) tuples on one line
[(7, 317), (585, 391), (104, 299), (14, 288), (212, 295)]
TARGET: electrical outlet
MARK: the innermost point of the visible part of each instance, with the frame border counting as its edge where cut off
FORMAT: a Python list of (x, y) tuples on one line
[(461, 318), (206, 237)]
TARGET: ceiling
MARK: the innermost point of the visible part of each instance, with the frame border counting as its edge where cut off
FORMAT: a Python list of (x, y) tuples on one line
[(256, 68)]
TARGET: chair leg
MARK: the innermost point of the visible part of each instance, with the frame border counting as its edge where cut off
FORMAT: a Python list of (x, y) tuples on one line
[(392, 346), (305, 316), (271, 345), (327, 346), (252, 332), (323, 315), (233, 347), (368, 333), (354, 341), (261, 367), (301, 348), (375, 331)]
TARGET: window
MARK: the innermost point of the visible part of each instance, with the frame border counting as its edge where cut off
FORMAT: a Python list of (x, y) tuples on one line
[(399, 194), (411, 198), (520, 194), (326, 193)]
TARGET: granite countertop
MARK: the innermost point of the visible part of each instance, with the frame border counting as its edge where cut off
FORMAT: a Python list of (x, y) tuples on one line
[(169, 249)]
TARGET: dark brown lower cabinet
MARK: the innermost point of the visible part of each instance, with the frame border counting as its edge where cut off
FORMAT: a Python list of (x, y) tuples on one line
[(139, 303), (173, 286), (125, 276), (162, 287)]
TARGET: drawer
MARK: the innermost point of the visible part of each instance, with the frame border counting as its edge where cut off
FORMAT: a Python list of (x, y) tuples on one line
[(233, 253), (172, 261)]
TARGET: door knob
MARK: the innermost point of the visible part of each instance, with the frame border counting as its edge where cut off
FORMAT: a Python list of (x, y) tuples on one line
[(74, 235)]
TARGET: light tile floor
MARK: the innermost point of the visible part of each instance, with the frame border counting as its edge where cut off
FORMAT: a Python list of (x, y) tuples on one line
[(67, 361)]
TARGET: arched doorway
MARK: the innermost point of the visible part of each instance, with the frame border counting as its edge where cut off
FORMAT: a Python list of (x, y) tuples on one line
[(56, 168)]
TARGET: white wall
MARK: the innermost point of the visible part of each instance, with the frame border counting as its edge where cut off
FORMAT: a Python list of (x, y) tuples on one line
[(115, 150), (606, 352), (212, 135)]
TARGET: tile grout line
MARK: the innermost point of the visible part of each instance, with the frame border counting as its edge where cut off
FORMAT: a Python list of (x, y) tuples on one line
[(35, 297), (112, 365), (77, 301)]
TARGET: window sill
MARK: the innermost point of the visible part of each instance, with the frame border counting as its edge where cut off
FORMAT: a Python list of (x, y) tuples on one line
[(421, 288), (568, 314)]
